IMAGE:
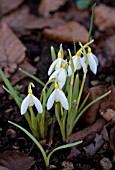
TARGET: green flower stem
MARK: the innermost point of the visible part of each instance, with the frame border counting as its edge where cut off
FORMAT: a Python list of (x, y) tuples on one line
[(80, 93), (32, 117)]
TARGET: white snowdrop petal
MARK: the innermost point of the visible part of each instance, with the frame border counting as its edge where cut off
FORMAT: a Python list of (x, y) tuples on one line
[(92, 64), (62, 78), (58, 64), (76, 63), (54, 75), (83, 64), (25, 104), (69, 71), (37, 104), (52, 67), (50, 101), (95, 59), (63, 99)]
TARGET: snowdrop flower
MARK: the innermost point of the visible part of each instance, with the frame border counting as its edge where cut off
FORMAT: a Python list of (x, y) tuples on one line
[(56, 64), (78, 62), (92, 61), (30, 100), (60, 75), (58, 96)]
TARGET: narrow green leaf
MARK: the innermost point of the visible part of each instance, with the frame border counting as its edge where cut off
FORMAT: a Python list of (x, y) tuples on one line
[(10, 88), (76, 88), (91, 103), (91, 22), (83, 103), (32, 138), (70, 119), (31, 76), (53, 54)]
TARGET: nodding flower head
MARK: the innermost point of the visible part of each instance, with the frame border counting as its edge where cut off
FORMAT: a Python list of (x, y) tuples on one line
[(56, 64), (60, 76), (58, 96), (30, 100), (92, 61), (78, 62)]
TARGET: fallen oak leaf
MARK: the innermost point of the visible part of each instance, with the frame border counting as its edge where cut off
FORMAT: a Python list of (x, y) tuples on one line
[(8, 6), (103, 17), (47, 6), (86, 133), (21, 20), (18, 76), (63, 33), (91, 113), (16, 160), (12, 51), (91, 149)]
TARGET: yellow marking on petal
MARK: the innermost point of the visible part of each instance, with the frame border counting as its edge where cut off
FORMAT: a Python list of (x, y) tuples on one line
[(78, 54), (56, 86), (59, 54), (64, 66), (30, 91), (89, 50)]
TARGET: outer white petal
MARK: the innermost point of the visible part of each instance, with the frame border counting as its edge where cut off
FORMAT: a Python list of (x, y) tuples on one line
[(63, 99), (95, 59), (58, 64), (62, 78), (83, 64), (54, 75), (37, 104), (69, 71), (50, 101), (25, 104), (52, 67), (76, 62), (92, 64)]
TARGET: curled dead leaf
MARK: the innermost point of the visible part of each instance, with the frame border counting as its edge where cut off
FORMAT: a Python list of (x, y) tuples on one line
[(47, 6), (91, 113), (16, 160), (103, 17), (7, 6), (63, 33)]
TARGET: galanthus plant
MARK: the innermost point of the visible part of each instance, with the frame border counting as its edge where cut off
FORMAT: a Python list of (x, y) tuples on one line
[(62, 93)]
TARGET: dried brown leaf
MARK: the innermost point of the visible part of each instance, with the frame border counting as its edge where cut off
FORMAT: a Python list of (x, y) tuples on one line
[(104, 17), (9, 5), (64, 32), (22, 20), (108, 101), (91, 149), (18, 76), (12, 51), (88, 133), (47, 6), (112, 140), (16, 160), (91, 114)]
